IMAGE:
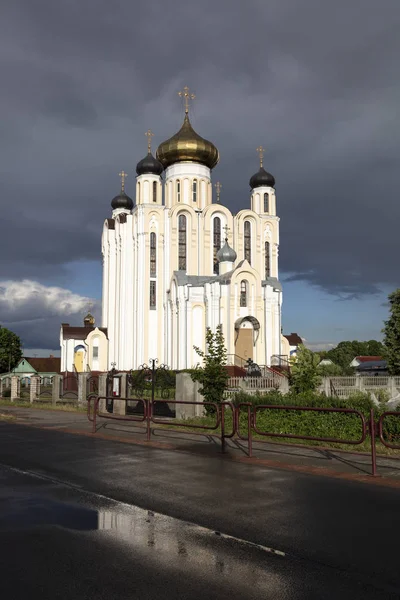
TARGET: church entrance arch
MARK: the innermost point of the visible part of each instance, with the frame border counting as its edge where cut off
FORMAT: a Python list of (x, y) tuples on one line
[(247, 330)]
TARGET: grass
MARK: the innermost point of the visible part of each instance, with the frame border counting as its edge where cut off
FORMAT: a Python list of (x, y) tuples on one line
[(43, 405)]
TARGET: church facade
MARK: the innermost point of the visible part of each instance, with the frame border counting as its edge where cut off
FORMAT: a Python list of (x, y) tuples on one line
[(176, 261)]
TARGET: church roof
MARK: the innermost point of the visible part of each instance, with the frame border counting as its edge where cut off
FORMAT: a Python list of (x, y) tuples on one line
[(78, 333), (200, 280)]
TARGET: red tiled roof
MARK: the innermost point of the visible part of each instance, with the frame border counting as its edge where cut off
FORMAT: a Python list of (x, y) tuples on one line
[(364, 359), (45, 365)]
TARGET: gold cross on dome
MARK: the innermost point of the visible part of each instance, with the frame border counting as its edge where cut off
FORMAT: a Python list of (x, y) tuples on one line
[(218, 187), (187, 97), (149, 134), (226, 229), (261, 151), (122, 174)]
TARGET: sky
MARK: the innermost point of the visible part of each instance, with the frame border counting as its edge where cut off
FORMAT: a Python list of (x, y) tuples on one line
[(316, 83)]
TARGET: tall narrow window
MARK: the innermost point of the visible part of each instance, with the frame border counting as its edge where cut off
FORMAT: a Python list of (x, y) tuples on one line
[(243, 293), (178, 190), (182, 243), (216, 242), (138, 193), (247, 241), (153, 296), (154, 191), (267, 260), (194, 190), (266, 202), (153, 254)]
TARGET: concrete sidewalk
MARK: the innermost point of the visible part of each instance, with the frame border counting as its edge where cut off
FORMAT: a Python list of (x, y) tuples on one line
[(318, 461)]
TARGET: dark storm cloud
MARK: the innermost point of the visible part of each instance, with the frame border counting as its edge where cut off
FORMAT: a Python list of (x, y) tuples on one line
[(316, 83), (34, 311)]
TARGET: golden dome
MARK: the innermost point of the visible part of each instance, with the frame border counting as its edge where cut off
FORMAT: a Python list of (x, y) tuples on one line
[(187, 146)]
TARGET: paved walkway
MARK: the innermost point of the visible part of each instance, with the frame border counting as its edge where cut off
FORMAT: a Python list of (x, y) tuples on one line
[(318, 461)]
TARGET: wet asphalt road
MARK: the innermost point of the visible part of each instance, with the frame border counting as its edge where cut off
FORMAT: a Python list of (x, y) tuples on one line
[(71, 526)]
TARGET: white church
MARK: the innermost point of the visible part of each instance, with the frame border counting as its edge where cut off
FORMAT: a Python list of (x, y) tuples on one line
[(176, 261)]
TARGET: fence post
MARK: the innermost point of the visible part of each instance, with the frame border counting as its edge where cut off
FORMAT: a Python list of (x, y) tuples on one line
[(15, 388), (55, 392), (372, 431), (1, 388), (327, 386), (102, 391), (82, 377), (34, 389)]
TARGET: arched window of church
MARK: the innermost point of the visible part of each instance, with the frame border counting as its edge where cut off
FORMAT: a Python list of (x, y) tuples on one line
[(178, 190), (194, 190), (182, 243), (154, 191), (266, 202), (243, 293), (267, 260), (153, 254), (247, 241), (138, 193), (216, 242)]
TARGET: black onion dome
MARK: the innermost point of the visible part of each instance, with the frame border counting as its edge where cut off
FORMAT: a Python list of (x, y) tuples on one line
[(122, 201), (149, 164), (262, 179)]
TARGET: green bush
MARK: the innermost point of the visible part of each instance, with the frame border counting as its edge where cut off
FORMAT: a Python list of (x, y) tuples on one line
[(308, 423)]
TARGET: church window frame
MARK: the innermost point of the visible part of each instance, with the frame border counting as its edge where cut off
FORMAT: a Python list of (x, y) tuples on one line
[(266, 202), (153, 294), (247, 241), (267, 251), (194, 190), (216, 243), (244, 288), (154, 191), (178, 190), (153, 254), (182, 242)]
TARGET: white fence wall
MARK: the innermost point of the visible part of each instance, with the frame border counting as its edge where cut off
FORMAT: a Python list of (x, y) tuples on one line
[(342, 387)]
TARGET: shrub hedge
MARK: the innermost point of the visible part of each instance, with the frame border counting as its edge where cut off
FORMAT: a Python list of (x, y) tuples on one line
[(317, 424)]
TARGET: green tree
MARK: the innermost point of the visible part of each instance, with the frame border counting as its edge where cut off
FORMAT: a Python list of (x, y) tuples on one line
[(304, 375), (330, 370), (10, 350), (391, 333), (213, 374)]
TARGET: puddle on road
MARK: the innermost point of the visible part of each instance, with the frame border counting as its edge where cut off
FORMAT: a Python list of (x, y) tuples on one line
[(163, 540)]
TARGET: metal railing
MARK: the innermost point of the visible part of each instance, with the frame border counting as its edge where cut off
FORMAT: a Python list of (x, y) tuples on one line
[(245, 415), (148, 417)]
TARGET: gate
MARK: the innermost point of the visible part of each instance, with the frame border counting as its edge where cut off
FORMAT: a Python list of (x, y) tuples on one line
[(69, 388), (46, 389), (153, 383), (25, 388)]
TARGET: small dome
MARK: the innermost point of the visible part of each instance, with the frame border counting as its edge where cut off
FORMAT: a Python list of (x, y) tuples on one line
[(187, 146), (122, 201), (226, 253), (89, 320), (262, 178), (149, 164)]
